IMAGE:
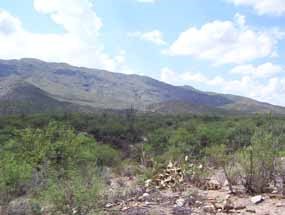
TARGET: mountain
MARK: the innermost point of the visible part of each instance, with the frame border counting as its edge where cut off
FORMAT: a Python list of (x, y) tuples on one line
[(32, 85), (19, 97)]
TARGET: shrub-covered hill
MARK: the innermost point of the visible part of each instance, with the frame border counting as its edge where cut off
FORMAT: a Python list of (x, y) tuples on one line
[(63, 86)]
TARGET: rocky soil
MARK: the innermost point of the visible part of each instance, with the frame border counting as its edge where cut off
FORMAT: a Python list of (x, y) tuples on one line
[(189, 199), (127, 197)]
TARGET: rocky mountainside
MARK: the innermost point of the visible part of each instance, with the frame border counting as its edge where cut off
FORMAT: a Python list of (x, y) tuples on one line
[(41, 86)]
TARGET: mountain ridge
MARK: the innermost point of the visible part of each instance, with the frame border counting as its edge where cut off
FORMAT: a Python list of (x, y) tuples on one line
[(101, 89)]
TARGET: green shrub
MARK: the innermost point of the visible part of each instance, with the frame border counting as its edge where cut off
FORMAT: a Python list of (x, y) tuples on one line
[(13, 176), (257, 162), (75, 194), (54, 152)]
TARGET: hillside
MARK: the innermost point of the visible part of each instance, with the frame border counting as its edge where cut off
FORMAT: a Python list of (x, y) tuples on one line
[(59, 86), (23, 98)]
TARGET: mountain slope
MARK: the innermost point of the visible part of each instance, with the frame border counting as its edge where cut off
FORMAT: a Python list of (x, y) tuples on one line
[(60, 84), (19, 97)]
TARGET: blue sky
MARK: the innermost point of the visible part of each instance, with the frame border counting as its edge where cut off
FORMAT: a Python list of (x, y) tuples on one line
[(227, 46)]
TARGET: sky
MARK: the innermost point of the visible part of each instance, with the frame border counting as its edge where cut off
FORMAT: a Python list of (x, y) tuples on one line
[(226, 46)]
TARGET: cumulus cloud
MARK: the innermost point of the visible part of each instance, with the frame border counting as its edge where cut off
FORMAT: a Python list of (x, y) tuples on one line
[(263, 7), (155, 37), (77, 17), (225, 42), (270, 90), (261, 71), (79, 44), (8, 23)]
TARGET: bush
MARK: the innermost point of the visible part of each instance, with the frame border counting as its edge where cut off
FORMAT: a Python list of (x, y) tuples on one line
[(106, 155), (35, 156), (13, 176), (75, 194), (257, 162)]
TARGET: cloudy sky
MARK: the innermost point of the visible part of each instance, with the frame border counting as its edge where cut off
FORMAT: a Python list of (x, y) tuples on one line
[(228, 46)]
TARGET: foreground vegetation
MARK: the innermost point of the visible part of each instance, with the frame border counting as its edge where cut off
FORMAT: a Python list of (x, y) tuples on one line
[(61, 160)]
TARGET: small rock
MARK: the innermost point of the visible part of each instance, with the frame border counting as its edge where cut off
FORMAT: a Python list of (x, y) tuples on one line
[(213, 184), (198, 203), (108, 205), (180, 202), (190, 200), (74, 211), (148, 190), (251, 211), (124, 208), (181, 211), (257, 199), (209, 209), (226, 183), (240, 207), (147, 203), (275, 191), (136, 211), (148, 183), (228, 204), (218, 206), (21, 206), (144, 197), (280, 205)]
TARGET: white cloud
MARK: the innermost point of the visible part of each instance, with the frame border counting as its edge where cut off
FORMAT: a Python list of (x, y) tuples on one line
[(169, 76), (240, 20), (262, 7), (8, 23), (262, 71), (155, 37), (76, 16), (225, 42), (78, 45), (271, 90)]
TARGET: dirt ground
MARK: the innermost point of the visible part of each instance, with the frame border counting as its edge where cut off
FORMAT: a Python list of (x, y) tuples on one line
[(190, 200)]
